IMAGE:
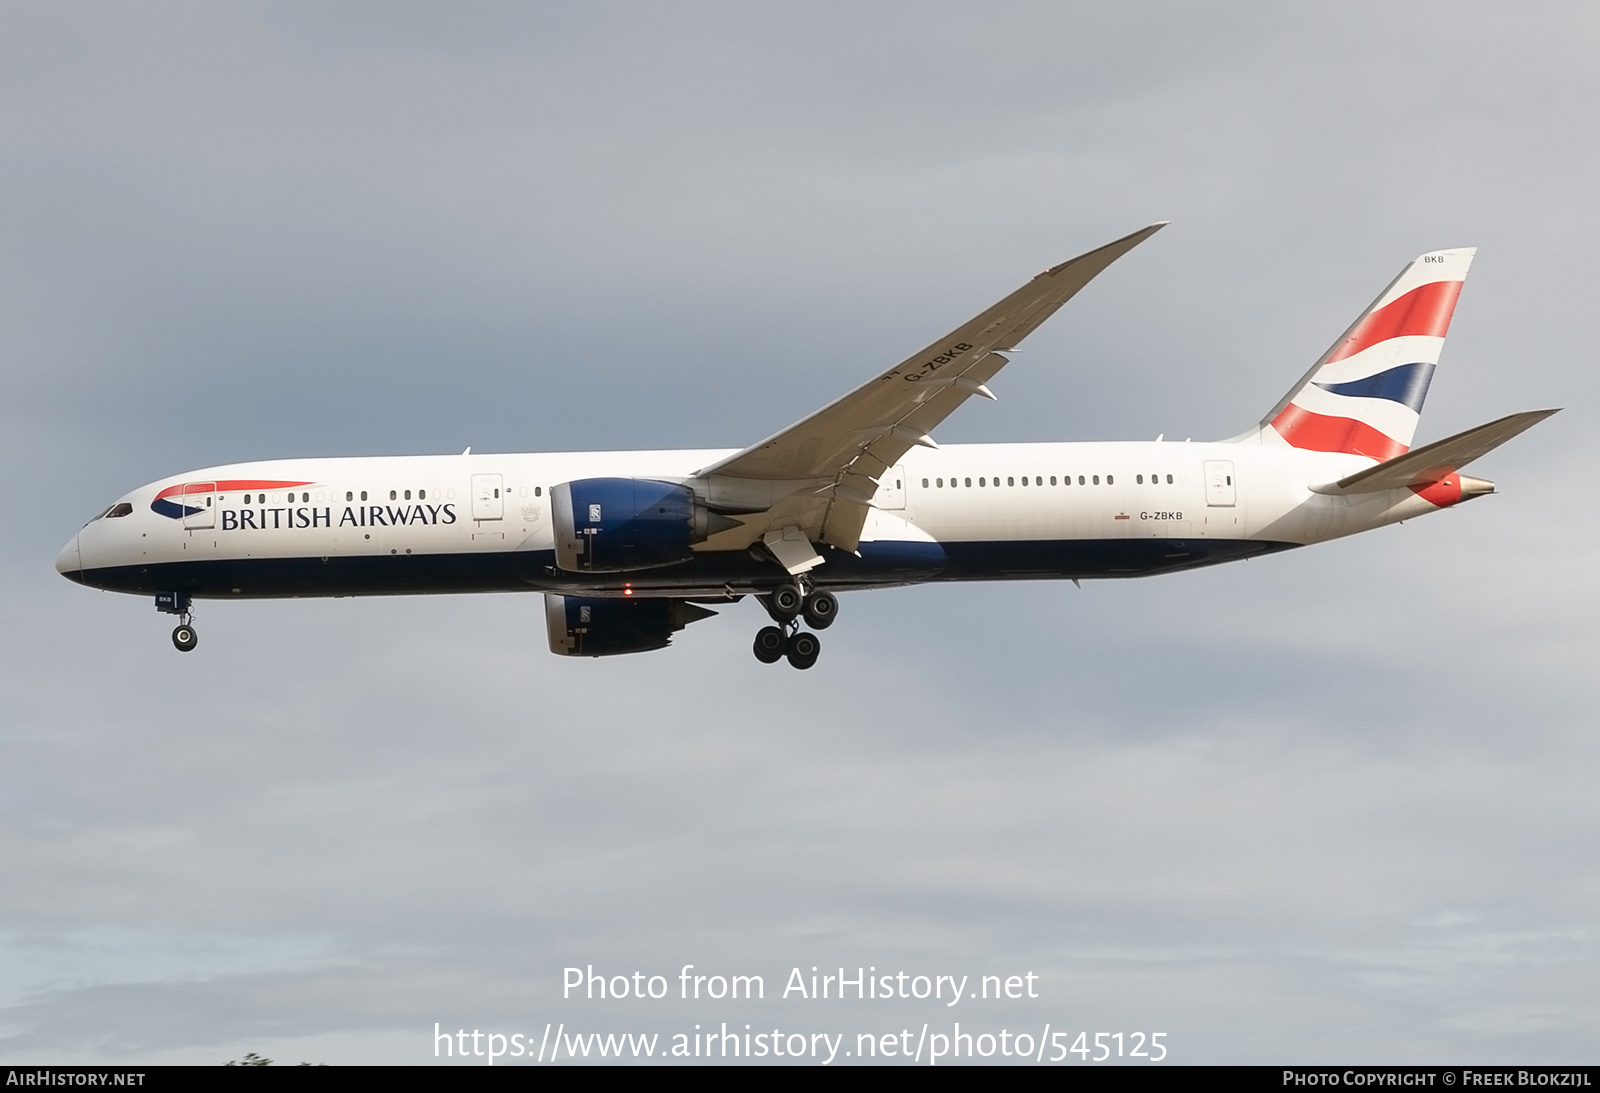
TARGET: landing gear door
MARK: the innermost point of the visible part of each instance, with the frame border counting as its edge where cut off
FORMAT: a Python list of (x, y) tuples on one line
[(1219, 483), (488, 497), (892, 489), (199, 500)]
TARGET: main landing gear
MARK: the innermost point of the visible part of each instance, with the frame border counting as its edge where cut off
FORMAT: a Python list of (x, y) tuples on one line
[(184, 638), (787, 604)]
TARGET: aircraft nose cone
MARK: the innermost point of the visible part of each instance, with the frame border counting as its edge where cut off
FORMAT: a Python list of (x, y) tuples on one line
[(68, 563)]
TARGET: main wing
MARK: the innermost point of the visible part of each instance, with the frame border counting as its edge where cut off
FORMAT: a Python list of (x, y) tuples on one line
[(815, 480)]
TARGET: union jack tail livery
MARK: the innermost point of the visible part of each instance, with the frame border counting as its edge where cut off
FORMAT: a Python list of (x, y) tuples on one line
[(1364, 396)]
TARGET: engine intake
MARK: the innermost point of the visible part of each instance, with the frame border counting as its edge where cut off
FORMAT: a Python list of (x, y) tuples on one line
[(584, 626), (613, 525)]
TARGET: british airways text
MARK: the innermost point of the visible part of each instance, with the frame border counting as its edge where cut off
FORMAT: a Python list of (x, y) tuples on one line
[(361, 516)]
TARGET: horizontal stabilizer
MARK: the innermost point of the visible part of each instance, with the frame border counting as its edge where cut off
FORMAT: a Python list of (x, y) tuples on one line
[(1435, 461)]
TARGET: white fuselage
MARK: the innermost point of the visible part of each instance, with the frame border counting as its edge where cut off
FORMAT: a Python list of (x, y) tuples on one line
[(484, 522)]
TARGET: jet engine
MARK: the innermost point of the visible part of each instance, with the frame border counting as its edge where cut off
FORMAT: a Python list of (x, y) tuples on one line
[(583, 626), (614, 525)]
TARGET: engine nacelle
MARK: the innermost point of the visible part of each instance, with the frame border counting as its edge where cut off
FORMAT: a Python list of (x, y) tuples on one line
[(586, 626), (614, 525)]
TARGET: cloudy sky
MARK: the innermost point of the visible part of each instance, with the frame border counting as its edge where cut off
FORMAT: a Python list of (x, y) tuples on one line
[(1335, 805)]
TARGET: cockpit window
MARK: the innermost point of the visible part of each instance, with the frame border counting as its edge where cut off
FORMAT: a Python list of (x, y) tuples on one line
[(121, 508)]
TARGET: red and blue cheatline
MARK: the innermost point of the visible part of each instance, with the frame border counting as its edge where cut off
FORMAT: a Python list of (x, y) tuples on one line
[(177, 510)]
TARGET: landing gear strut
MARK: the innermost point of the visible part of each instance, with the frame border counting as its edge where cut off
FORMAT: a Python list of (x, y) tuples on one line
[(787, 604)]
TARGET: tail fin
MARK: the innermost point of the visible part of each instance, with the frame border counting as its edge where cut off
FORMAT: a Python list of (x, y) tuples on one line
[(1364, 396)]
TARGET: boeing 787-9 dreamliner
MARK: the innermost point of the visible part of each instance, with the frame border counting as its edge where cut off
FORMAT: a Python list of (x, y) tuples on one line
[(630, 547)]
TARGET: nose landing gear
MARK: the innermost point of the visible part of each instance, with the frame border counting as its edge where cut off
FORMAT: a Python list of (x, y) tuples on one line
[(184, 638), (787, 604)]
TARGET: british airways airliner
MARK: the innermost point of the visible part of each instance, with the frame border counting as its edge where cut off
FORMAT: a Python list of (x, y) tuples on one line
[(630, 547)]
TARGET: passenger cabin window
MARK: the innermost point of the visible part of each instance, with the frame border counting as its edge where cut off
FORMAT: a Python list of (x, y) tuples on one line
[(1110, 481), (422, 495), (924, 483), (363, 495), (349, 496), (392, 497)]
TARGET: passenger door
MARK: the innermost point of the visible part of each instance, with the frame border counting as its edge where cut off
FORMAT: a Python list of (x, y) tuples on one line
[(199, 501), (488, 497), (488, 510), (892, 489), (1219, 483)]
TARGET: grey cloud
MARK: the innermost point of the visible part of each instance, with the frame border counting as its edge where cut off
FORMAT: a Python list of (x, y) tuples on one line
[(1333, 805)]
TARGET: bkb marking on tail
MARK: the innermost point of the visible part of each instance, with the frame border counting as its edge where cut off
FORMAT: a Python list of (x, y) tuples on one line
[(1365, 395)]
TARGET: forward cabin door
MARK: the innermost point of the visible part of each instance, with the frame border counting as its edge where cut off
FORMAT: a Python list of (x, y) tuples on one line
[(199, 501), (1219, 483)]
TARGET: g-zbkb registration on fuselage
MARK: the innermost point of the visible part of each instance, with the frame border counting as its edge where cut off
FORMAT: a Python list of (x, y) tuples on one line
[(629, 547)]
